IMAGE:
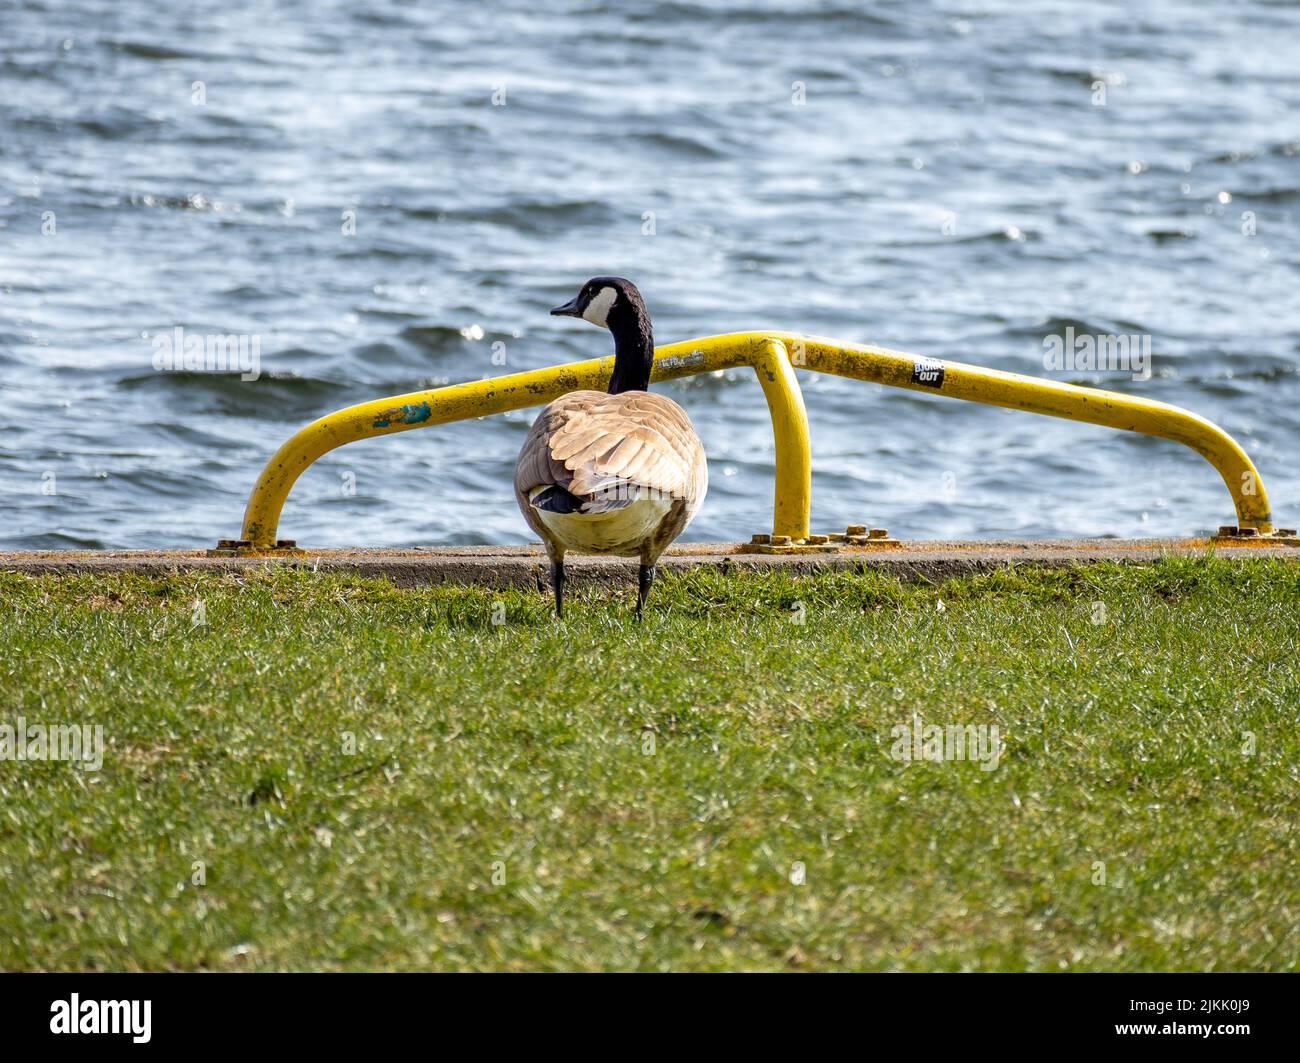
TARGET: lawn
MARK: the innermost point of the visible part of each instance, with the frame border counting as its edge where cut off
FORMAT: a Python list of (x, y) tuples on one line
[(320, 772)]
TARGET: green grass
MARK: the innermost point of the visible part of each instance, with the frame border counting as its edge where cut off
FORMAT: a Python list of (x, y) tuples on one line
[(505, 806)]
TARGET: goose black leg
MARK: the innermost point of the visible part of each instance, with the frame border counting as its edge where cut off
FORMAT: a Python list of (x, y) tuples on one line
[(645, 578), (557, 581)]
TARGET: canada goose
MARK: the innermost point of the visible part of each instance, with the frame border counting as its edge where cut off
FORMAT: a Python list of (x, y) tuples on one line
[(617, 473)]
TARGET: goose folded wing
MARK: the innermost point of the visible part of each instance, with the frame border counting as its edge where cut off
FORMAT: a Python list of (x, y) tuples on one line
[(604, 450)]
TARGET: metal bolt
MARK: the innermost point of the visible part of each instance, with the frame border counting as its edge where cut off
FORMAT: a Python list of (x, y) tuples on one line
[(761, 539), (1227, 529), (780, 540), (878, 533), (856, 529), (816, 540)]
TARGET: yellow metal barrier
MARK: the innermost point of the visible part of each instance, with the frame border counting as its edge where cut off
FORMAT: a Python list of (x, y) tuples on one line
[(1035, 395), (459, 402), (773, 356)]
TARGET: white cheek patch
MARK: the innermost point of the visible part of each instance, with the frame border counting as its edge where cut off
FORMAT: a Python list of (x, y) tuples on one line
[(598, 309)]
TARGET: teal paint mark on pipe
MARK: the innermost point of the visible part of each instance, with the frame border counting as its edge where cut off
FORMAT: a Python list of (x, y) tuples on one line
[(410, 415)]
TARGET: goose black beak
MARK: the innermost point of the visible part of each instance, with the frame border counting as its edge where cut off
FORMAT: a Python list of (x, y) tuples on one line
[(569, 309)]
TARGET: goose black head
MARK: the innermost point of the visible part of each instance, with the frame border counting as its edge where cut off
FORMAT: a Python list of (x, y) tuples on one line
[(614, 303)]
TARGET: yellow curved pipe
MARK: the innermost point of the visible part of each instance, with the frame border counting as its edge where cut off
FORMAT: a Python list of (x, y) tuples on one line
[(1014, 391), (773, 355), (477, 398), (792, 493)]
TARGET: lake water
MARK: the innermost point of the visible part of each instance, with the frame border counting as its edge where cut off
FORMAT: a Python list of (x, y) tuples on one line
[(959, 180)]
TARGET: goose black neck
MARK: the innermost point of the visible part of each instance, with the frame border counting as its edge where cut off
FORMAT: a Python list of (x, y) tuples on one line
[(634, 349)]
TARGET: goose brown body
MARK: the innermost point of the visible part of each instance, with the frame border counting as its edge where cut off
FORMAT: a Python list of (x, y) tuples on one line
[(613, 451)]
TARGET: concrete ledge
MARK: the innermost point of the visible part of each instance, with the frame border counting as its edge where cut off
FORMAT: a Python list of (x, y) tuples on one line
[(525, 566)]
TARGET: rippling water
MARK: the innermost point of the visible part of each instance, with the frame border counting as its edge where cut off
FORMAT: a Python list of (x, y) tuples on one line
[(950, 183)]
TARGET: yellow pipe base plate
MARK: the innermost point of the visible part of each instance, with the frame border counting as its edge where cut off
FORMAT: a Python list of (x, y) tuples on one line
[(857, 536), (245, 548), (1231, 535)]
